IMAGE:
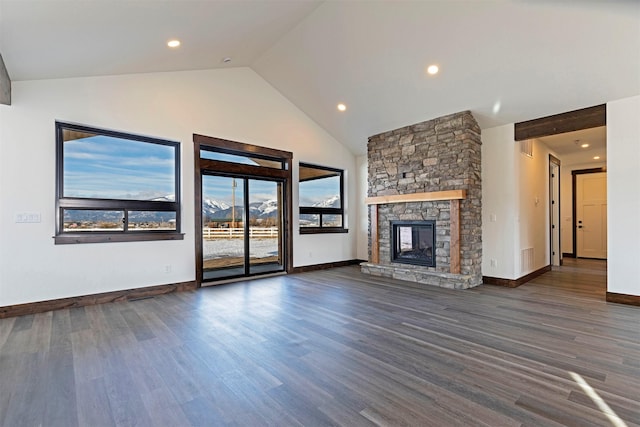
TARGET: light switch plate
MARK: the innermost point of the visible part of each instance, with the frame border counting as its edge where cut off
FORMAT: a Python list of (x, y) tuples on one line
[(28, 217)]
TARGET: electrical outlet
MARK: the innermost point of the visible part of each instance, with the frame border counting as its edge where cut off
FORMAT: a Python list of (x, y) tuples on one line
[(494, 263), (167, 268)]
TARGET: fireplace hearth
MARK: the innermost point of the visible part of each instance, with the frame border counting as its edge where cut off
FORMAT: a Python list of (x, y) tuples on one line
[(413, 242)]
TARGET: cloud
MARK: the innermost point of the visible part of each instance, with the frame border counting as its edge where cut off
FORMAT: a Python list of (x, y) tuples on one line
[(107, 167)]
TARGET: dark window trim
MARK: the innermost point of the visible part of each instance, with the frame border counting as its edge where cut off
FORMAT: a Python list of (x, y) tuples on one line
[(322, 230), (107, 237), (310, 210), (241, 169), (250, 155), (62, 203), (240, 148)]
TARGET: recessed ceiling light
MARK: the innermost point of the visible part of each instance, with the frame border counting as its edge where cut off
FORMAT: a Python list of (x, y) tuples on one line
[(173, 43), (342, 107), (433, 69), (596, 157), (584, 145)]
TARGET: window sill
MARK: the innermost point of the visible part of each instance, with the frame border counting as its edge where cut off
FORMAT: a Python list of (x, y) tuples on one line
[(319, 230), (106, 237)]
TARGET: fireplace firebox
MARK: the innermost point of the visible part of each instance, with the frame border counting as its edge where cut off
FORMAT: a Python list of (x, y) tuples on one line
[(413, 242)]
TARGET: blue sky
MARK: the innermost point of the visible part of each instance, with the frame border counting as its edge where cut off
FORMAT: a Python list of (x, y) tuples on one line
[(318, 190), (113, 168), (214, 155)]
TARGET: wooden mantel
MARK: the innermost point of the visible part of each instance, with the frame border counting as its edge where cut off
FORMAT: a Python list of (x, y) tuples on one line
[(432, 196), (454, 197)]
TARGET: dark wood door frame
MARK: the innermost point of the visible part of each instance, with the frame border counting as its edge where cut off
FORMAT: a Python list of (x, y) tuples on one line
[(554, 204), (220, 167)]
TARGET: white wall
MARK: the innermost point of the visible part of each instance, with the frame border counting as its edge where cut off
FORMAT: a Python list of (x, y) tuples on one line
[(623, 183), (566, 201), (534, 221), (515, 204), (499, 202), (233, 103)]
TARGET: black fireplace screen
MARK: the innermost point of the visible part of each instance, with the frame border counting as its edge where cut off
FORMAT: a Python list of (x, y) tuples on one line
[(413, 242)]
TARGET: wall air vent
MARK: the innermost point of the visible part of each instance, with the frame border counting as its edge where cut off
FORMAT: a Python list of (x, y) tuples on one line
[(526, 147), (526, 260)]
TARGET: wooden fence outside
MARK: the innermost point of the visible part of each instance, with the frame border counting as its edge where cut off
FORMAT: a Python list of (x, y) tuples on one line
[(238, 233)]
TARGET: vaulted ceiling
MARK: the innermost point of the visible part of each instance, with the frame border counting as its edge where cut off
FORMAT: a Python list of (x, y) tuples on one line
[(506, 61)]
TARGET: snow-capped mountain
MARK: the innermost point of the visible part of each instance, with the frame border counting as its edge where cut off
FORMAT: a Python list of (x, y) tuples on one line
[(212, 206), (268, 207), (167, 198), (213, 209), (332, 202), (82, 215)]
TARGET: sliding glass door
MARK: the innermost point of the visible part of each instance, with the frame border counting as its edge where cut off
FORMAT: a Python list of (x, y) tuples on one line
[(265, 226), (242, 226), (223, 253), (243, 209)]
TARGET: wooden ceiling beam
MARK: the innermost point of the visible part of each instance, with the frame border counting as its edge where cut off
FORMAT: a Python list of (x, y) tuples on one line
[(585, 118)]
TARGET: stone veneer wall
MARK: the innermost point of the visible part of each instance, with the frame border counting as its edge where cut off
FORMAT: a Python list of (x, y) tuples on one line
[(436, 155)]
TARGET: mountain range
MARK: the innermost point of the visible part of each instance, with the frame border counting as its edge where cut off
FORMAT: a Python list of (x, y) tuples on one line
[(214, 209), (211, 210), (331, 202)]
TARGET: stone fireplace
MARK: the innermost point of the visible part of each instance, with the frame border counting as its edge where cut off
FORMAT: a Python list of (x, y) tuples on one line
[(427, 173)]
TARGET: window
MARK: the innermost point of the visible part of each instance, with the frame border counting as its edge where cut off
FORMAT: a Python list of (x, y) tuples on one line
[(321, 199), (114, 187), (211, 153)]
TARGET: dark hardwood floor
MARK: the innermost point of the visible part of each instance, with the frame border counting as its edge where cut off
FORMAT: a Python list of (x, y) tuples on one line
[(332, 347)]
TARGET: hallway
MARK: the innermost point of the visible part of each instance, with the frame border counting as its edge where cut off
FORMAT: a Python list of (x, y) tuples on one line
[(576, 278)]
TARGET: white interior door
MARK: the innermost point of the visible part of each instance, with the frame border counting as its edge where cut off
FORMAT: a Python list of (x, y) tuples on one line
[(591, 215)]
